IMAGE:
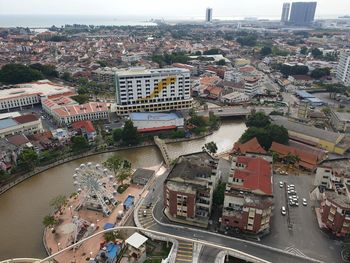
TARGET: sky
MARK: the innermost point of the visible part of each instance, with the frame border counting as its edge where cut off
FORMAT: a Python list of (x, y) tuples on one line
[(164, 8)]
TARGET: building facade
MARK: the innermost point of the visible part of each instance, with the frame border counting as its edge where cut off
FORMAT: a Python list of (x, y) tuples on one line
[(208, 14), (285, 12), (343, 69), (251, 86), (302, 13), (248, 201), (154, 90), (148, 122), (24, 124), (340, 121), (189, 187)]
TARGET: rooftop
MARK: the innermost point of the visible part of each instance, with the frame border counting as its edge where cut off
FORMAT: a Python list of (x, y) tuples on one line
[(144, 71), (136, 240), (306, 129), (251, 146), (341, 200), (42, 88), (151, 116)]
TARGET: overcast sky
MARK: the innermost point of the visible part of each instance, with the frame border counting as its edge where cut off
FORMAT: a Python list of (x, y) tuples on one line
[(164, 8)]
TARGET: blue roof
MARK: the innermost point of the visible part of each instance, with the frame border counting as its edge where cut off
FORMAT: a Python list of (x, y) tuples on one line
[(7, 122), (315, 100), (304, 94), (108, 226), (129, 201), (112, 250), (152, 116)]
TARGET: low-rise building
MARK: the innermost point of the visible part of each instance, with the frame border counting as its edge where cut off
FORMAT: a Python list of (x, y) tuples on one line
[(149, 122), (65, 111), (235, 98), (340, 121), (29, 94), (189, 187), (251, 86), (85, 129), (24, 124), (248, 200)]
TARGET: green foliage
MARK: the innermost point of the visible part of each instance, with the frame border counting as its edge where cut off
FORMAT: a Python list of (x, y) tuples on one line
[(198, 121), (120, 168), (213, 121), (48, 156), (79, 144), (303, 51), (320, 72), (168, 59), (17, 73), (279, 52), (258, 119), (111, 236), (316, 53), (221, 62), (249, 40), (83, 90), (67, 76), (291, 159), (210, 147), (28, 159), (292, 70), (117, 135), (265, 132), (49, 221), (58, 38), (219, 194), (177, 134), (265, 51), (130, 136), (49, 71), (102, 63), (213, 51), (58, 201), (81, 98), (326, 110)]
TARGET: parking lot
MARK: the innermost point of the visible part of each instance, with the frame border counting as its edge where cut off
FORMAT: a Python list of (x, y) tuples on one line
[(305, 237)]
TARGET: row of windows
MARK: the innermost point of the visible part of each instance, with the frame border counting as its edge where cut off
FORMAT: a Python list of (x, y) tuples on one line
[(89, 116), (19, 102)]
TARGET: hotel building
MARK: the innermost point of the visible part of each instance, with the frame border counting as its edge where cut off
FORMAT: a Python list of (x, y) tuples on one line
[(155, 90)]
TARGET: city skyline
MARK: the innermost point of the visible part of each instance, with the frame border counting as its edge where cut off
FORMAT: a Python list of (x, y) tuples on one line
[(160, 9)]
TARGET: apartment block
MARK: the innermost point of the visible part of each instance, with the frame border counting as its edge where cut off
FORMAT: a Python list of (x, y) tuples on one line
[(248, 200), (189, 187), (155, 90), (343, 69)]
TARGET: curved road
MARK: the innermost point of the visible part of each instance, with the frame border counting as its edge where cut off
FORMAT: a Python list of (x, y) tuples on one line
[(261, 251)]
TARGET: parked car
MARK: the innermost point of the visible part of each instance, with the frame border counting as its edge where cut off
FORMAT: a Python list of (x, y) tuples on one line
[(283, 211), (281, 184), (304, 202), (144, 213)]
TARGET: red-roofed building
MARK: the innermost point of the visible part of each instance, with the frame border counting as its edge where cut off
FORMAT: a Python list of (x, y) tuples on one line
[(248, 197), (308, 160), (251, 146), (214, 92), (86, 129)]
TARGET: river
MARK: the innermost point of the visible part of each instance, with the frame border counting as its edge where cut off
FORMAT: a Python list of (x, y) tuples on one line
[(23, 207)]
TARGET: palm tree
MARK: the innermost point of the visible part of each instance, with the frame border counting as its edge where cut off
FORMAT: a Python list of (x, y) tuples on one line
[(58, 202), (49, 221)]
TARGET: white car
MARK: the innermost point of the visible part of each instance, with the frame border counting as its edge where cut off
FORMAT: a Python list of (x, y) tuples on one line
[(283, 211), (304, 202), (281, 184)]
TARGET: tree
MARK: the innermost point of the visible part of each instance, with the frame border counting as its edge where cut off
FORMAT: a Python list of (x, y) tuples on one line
[(258, 119), (49, 221), (210, 147), (316, 53), (320, 72), (303, 51), (79, 143), (120, 168), (81, 98), (67, 76), (278, 134), (117, 135), (58, 202), (113, 163), (265, 51), (249, 40), (213, 51), (219, 194), (111, 236), (47, 70), (221, 62), (130, 136), (28, 159), (17, 73), (291, 158), (326, 110)]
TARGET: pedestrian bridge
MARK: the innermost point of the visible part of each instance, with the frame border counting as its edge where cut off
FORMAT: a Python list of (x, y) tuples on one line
[(163, 149)]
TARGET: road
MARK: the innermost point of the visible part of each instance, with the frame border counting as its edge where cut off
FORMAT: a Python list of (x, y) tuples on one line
[(255, 249)]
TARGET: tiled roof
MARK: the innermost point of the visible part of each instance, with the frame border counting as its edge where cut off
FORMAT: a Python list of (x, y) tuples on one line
[(256, 175), (18, 139), (87, 125), (251, 146), (26, 118)]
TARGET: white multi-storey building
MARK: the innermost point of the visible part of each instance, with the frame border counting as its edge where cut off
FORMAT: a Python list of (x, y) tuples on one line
[(251, 86), (343, 70), (155, 90)]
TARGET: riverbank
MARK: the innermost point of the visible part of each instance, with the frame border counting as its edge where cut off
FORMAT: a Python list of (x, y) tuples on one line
[(18, 179)]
